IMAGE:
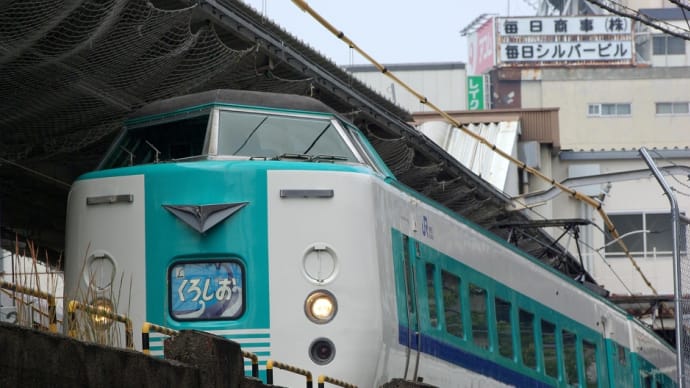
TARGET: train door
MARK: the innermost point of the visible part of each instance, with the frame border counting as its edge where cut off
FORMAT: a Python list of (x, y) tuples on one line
[(412, 315)]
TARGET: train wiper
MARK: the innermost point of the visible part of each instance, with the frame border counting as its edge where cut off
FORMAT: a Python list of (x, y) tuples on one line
[(292, 156), (310, 158), (329, 158)]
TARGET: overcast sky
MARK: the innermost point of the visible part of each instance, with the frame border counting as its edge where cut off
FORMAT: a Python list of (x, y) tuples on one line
[(390, 31)]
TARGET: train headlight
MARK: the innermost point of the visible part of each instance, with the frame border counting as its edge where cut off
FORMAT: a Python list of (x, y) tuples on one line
[(104, 307), (320, 306)]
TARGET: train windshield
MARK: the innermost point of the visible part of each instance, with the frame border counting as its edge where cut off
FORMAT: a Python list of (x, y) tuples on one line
[(258, 134), (236, 134), (178, 139)]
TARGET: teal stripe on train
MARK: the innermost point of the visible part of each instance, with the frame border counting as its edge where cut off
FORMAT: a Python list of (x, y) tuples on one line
[(433, 272)]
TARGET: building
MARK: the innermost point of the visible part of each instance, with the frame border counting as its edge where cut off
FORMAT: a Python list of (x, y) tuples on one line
[(615, 86)]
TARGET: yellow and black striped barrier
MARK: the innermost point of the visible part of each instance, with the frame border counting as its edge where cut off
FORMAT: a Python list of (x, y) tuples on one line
[(255, 362), (325, 379), (148, 327), (100, 312), (271, 364), (52, 314)]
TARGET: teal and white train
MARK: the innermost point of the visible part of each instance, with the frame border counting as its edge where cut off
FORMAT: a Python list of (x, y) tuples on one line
[(270, 220)]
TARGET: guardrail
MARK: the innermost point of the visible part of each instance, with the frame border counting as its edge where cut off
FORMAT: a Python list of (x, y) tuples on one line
[(99, 311), (52, 315), (146, 328), (270, 364), (324, 379), (255, 362)]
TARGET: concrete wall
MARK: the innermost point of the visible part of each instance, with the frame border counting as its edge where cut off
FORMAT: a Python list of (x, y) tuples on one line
[(30, 358), (573, 89), (443, 84)]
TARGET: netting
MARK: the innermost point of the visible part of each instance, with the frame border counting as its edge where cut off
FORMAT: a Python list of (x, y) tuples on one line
[(92, 62)]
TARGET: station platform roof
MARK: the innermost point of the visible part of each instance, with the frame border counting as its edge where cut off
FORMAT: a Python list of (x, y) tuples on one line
[(71, 71)]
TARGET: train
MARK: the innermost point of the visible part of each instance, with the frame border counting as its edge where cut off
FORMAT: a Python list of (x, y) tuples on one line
[(270, 220)]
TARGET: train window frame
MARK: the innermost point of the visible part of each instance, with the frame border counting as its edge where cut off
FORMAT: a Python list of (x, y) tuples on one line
[(453, 294), (548, 368), (237, 263), (506, 333), (533, 336), (476, 325), (432, 303), (587, 363), (114, 155), (356, 151), (361, 143), (570, 357)]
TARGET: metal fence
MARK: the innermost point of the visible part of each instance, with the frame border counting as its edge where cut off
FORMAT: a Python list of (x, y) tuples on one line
[(684, 297)]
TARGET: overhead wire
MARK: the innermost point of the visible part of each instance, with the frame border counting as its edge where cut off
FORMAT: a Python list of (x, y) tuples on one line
[(621, 10), (425, 101)]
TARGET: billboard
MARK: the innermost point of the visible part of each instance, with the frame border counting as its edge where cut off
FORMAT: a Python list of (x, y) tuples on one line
[(481, 48), (572, 40), (564, 26)]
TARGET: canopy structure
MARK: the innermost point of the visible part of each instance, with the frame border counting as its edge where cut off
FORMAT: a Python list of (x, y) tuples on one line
[(70, 71)]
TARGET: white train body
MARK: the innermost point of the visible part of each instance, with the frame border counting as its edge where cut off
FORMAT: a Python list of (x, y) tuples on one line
[(415, 291)]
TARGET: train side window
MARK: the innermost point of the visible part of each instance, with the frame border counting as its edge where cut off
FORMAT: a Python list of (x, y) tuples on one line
[(504, 328), (480, 329), (647, 379), (431, 294), (622, 357), (548, 343), (409, 278), (570, 358), (527, 343), (589, 351), (452, 308)]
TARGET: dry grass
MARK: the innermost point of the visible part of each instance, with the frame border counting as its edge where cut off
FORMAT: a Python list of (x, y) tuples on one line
[(98, 329), (29, 273)]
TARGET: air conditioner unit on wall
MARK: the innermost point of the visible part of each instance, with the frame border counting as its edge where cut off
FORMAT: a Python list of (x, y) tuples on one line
[(8, 314)]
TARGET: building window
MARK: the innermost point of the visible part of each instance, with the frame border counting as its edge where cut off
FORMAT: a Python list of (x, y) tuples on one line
[(672, 108), (646, 235), (668, 45), (609, 110)]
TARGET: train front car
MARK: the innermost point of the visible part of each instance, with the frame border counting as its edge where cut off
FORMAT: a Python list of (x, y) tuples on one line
[(243, 214)]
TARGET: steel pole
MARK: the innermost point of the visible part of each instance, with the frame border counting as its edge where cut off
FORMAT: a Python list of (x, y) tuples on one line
[(677, 289)]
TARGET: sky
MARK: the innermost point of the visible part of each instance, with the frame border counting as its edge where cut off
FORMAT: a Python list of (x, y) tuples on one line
[(390, 31)]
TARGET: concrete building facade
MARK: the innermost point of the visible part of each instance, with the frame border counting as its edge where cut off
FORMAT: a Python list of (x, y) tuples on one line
[(606, 113)]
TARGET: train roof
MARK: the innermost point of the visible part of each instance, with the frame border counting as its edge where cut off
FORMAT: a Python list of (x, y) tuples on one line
[(234, 97)]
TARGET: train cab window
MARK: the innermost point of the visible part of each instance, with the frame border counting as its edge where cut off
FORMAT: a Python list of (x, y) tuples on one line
[(273, 135), (206, 290), (170, 140), (549, 348), (452, 307), (480, 328), (527, 343), (589, 351), (504, 328), (570, 358), (431, 294)]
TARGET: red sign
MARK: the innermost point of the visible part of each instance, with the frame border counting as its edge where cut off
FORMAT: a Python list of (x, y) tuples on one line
[(482, 49)]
